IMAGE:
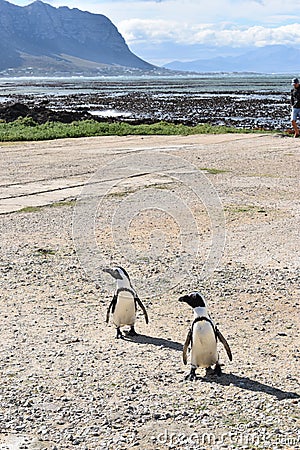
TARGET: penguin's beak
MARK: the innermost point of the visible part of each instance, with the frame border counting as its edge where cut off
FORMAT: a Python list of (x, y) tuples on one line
[(113, 272), (182, 299)]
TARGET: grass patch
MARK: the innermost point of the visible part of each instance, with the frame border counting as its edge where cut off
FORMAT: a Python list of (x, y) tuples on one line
[(260, 175), (62, 203), (240, 209), (213, 171), (244, 209), (45, 251), (31, 209), (119, 194), (26, 129)]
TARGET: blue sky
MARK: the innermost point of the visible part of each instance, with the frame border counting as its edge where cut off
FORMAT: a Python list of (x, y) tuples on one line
[(164, 30)]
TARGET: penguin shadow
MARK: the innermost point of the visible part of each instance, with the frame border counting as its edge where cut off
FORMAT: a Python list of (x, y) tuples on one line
[(251, 385), (158, 342)]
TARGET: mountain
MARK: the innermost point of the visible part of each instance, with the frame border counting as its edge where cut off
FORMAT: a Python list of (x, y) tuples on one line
[(42, 37), (268, 59)]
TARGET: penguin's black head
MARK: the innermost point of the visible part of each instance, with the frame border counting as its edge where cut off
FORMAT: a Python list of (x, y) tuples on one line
[(194, 300), (118, 273), (121, 269)]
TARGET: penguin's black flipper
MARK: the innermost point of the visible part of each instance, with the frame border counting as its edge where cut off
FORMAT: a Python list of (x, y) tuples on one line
[(224, 342), (186, 346), (143, 309), (111, 306)]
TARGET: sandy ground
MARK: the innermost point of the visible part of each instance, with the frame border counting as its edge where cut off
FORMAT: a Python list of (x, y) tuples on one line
[(66, 382)]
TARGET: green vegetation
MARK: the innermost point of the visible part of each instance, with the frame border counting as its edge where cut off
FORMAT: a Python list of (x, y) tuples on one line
[(213, 171), (62, 203), (120, 194), (30, 209), (45, 251), (240, 209), (244, 209), (26, 129)]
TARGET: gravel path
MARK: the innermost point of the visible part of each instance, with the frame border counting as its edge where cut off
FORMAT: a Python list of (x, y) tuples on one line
[(66, 382)]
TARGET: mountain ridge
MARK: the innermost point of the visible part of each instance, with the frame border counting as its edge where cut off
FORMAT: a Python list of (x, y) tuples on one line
[(40, 33), (268, 59)]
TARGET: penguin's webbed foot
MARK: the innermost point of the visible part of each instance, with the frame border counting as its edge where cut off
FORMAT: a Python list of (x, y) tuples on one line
[(192, 375), (119, 334), (132, 332), (218, 370), (209, 371)]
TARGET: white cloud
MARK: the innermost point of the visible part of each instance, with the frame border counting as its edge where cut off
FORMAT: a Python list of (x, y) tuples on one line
[(157, 31)]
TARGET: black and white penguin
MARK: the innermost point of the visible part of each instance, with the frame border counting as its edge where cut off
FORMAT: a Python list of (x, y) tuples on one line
[(124, 302), (202, 337)]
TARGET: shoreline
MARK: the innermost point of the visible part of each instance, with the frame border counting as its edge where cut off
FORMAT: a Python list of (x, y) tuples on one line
[(239, 102), (136, 110)]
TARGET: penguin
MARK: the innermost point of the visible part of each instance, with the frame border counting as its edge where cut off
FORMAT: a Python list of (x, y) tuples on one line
[(202, 336), (124, 302)]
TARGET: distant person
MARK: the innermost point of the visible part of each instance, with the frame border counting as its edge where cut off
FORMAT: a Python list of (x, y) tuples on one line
[(295, 100)]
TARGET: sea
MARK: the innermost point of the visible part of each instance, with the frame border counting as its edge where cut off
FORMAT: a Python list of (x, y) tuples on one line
[(235, 84)]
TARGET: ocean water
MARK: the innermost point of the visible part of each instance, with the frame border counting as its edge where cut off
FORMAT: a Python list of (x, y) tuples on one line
[(200, 85)]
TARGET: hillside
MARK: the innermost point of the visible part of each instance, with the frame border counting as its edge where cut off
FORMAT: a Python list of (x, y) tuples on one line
[(269, 59), (39, 37)]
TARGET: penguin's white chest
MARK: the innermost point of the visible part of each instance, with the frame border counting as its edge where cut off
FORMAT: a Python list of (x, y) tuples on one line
[(125, 311), (204, 349)]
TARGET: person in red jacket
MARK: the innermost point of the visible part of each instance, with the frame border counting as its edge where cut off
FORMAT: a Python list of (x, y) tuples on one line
[(295, 101)]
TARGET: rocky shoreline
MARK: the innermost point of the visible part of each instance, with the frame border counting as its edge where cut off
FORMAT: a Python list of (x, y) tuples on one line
[(245, 110)]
